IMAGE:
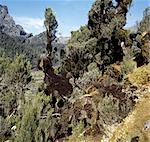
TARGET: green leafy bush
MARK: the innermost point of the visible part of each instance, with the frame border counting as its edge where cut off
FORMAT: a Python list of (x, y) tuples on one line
[(127, 66), (15, 75), (18, 72), (36, 118)]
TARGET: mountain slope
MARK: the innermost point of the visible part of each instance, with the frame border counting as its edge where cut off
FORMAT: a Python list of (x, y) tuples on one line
[(8, 25)]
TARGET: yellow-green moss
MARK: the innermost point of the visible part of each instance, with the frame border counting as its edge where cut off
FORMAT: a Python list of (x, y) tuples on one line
[(133, 125), (140, 76)]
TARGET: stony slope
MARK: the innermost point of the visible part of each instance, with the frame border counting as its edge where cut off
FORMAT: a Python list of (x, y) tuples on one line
[(8, 25)]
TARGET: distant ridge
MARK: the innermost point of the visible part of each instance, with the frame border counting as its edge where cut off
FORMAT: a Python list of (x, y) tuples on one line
[(8, 25)]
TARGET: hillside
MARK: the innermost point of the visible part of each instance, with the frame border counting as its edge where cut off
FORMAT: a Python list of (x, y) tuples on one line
[(14, 40), (8, 26), (91, 87)]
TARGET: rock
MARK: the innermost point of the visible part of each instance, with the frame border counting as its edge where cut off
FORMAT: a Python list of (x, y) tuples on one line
[(135, 139), (14, 128), (8, 141), (147, 125), (9, 31), (8, 25)]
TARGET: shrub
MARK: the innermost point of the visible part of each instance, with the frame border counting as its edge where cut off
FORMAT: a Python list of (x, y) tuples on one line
[(77, 133), (88, 78), (18, 71), (15, 75), (4, 63), (30, 127), (127, 66)]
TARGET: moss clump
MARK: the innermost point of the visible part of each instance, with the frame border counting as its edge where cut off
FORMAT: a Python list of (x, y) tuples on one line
[(140, 76)]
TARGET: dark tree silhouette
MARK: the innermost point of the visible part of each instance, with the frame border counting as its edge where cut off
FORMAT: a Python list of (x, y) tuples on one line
[(51, 26), (105, 22), (55, 84)]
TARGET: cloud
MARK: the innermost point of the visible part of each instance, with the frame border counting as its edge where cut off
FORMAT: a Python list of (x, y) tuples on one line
[(30, 25), (36, 25), (65, 30)]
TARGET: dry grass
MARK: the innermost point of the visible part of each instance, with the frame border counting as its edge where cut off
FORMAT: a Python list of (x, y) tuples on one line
[(133, 125)]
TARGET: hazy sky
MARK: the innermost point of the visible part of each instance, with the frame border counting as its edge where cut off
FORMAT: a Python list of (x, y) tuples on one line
[(70, 14)]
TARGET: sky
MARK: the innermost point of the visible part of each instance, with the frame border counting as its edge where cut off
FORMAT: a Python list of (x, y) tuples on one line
[(70, 14)]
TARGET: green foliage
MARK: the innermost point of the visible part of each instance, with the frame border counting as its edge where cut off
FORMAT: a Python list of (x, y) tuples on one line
[(29, 113), (88, 78), (79, 37), (51, 25), (50, 22), (80, 52), (99, 41), (18, 72), (103, 18), (15, 75), (128, 66), (112, 110), (92, 66), (97, 100), (30, 126), (105, 23), (10, 47), (77, 133), (81, 40), (4, 64)]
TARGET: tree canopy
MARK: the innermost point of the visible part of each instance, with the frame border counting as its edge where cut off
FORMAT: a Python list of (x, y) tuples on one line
[(51, 26)]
